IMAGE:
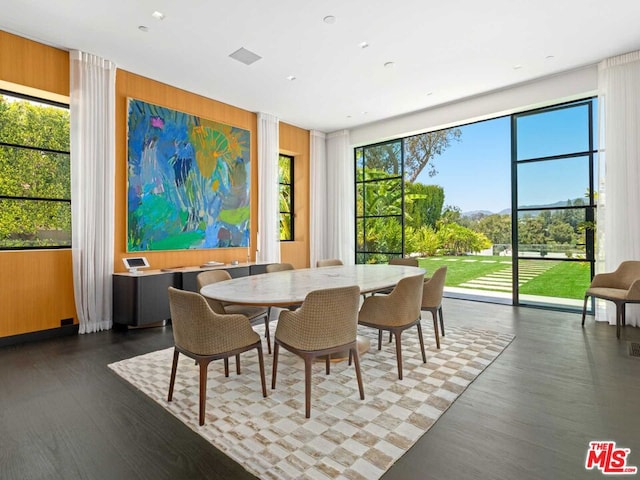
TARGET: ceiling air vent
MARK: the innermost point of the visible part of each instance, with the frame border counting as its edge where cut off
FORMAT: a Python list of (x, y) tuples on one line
[(245, 56)]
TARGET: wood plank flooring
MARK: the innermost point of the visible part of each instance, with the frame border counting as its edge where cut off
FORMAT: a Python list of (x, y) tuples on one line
[(530, 415)]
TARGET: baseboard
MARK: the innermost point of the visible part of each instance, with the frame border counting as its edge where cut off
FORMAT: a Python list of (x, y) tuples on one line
[(63, 331)]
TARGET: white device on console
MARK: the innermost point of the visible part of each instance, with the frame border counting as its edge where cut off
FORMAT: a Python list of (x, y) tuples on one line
[(134, 263)]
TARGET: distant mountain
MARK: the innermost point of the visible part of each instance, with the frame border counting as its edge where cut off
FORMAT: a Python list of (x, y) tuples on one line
[(507, 211)]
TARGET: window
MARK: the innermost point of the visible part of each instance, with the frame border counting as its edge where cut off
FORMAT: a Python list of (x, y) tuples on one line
[(35, 178), (285, 179), (379, 202), (507, 204)]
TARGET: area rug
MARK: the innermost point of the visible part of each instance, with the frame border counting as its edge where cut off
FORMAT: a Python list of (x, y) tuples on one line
[(345, 437)]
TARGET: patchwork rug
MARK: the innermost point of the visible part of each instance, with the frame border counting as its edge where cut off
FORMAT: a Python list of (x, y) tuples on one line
[(345, 437)]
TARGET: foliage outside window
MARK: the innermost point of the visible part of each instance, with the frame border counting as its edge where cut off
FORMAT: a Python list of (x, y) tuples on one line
[(35, 182), (285, 179)]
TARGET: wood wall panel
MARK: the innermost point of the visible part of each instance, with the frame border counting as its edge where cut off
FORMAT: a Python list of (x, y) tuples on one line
[(33, 65), (294, 141), (130, 85), (36, 286)]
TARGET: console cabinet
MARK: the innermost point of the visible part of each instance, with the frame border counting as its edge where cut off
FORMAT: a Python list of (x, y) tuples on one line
[(142, 300)]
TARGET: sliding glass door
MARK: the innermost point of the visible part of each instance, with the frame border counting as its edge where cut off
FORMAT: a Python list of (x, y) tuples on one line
[(553, 157)]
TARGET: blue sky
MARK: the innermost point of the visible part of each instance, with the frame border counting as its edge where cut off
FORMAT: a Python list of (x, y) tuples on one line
[(476, 171)]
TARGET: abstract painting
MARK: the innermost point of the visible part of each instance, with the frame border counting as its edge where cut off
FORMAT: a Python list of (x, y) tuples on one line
[(187, 181)]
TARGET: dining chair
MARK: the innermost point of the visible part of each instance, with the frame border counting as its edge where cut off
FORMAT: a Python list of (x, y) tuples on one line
[(204, 335), (326, 323), (621, 286), (403, 261), (254, 314), (406, 261), (395, 313), (278, 267), (329, 262), (432, 291)]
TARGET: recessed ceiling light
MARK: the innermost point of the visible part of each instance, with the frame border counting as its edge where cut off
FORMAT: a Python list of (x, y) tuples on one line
[(389, 65), (363, 44), (143, 28), (429, 94), (549, 57), (517, 67), (329, 19), (364, 113), (291, 78), (158, 15)]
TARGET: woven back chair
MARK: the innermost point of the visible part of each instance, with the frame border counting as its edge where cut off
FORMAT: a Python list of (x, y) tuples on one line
[(203, 335), (395, 313), (254, 314), (402, 261), (325, 324), (432, 291), (278, 267), (406, 261), (329, 262), (621, 286)]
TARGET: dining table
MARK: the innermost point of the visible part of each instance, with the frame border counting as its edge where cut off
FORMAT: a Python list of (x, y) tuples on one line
[(290, 287)]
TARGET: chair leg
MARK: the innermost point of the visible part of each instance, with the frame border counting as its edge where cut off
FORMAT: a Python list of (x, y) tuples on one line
[(174, 367), (327, 362), (226, 366), (623, 308), (274, 369), (399, 354), (441, 321), (262, 377), (353, 352), (435, 327), (379, 339), (203, 389), (390, 336), (307, 386), (238, 364), (266, 331), (619, 316), (424, 356), (584, 309)]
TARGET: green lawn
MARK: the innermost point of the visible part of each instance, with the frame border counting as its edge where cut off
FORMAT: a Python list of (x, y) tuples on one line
[(562, 280)]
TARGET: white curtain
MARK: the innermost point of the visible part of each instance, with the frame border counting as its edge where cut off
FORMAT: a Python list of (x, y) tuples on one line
[(318, 228), (92, 109), (268, 245), (619, 194), (340, 198)]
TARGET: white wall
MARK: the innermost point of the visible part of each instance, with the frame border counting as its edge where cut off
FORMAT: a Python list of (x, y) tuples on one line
[(558, 88)]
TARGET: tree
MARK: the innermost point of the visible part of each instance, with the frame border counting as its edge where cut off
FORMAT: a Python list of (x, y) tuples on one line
[(496, 227), (423, 204), (458, 240), (420, 150)]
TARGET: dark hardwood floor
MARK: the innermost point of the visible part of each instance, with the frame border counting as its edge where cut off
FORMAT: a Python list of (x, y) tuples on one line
[(530, 415)]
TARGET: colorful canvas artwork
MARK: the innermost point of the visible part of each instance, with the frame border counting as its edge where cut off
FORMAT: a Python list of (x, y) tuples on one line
[(188, 181)]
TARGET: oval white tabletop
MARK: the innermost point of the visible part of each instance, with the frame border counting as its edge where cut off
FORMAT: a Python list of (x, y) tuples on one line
[(290, 287)]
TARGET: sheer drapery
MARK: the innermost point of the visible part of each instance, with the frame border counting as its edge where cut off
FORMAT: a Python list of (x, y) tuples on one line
[(268, 190), (340, 196), (92, 109), (317, 197), (619, 196)]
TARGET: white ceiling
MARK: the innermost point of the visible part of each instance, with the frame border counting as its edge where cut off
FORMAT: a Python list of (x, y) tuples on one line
[(443, 51)]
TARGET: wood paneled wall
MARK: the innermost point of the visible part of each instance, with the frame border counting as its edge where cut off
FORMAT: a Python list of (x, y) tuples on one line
[(36, 286), (294, 141)]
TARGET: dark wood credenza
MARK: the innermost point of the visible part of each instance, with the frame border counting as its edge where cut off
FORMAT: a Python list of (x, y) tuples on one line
[(142, 299)]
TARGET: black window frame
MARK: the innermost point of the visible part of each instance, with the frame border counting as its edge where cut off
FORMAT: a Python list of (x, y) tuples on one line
[(3, 144), (281, 184)]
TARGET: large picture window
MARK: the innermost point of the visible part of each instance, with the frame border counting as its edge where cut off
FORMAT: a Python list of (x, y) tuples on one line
[(507, 204), (35, 179), (285, 180)]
